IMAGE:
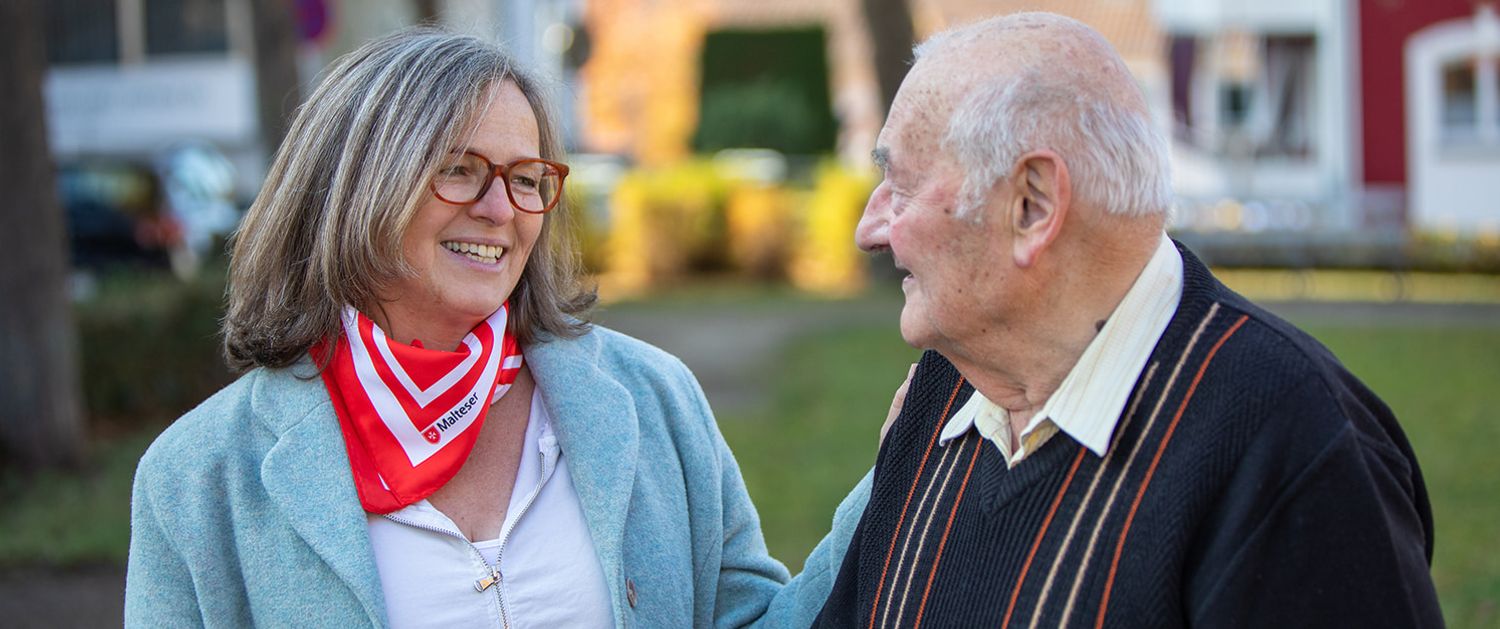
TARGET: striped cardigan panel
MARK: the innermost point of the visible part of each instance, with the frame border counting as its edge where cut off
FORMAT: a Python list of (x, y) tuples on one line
[(1070, 566)]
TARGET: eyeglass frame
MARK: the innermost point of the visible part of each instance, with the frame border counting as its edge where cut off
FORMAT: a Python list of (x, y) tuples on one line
[(502, 171)]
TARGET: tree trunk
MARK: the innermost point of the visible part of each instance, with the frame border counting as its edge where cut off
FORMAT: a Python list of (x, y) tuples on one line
[(892, 37), (427, 12), (276, 80), (41, 416)]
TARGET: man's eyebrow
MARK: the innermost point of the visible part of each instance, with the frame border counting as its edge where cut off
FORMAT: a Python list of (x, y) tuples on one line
[(882, 158)]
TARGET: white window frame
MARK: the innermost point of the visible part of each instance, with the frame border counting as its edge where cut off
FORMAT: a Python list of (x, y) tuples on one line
[(1439, 46)]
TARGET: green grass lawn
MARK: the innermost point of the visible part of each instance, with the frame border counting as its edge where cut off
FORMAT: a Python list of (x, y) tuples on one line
[(1444, 385), (70, 520), (818, 436)]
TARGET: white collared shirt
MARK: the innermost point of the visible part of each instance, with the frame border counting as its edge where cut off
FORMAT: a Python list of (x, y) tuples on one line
[(549, 574), (1088, 403)]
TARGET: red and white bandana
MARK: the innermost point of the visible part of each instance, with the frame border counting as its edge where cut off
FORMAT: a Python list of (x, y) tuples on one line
[(411, 415)]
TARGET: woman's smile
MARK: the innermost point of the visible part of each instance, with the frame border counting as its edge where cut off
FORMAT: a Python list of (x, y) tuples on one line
[(483, 254)]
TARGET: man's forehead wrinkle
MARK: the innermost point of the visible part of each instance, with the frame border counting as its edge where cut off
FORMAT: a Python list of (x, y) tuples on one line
[(918, 120)]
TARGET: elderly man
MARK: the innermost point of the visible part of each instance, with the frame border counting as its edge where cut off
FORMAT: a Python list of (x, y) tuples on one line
[(1102, 434)]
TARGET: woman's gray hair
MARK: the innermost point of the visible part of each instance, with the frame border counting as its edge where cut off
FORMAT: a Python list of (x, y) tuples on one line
[(1117, 158), (326, 228)]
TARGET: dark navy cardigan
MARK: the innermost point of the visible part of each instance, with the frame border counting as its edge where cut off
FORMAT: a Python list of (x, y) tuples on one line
[(1252, 481)]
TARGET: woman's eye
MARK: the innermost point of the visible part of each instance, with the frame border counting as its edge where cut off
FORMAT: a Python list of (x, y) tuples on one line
[(523, 182), (455, 170)]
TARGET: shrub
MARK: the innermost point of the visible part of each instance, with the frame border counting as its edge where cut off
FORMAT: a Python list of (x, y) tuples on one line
[(760, 229), (765, 113), (586, 225), (666, 222), (149, 345), (824, 257), (704, 216), (1444, 251), (766, 88)]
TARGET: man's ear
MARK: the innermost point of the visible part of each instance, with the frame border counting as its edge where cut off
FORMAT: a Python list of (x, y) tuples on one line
[(1040, 207)]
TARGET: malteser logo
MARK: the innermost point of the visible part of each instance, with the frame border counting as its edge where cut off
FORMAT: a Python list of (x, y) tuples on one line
[(432, 434)]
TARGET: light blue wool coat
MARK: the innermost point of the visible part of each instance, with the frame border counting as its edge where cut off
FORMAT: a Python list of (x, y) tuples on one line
[(244, 510)]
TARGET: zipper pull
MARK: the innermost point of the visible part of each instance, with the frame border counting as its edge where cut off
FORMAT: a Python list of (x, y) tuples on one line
[(485, 583)]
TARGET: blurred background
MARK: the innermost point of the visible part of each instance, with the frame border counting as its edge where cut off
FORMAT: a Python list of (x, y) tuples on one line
[(1338, 160)]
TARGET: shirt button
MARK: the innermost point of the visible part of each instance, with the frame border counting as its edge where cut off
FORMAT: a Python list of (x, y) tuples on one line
[(630, 592)]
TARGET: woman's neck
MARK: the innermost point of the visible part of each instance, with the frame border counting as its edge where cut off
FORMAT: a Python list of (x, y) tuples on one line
[(425, 332)]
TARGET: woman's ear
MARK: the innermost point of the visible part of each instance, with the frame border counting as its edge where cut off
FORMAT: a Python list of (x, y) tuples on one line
[(1037, 212)]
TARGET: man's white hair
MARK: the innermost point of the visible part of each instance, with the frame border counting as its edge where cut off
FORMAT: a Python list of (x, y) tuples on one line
[(1117, 158)]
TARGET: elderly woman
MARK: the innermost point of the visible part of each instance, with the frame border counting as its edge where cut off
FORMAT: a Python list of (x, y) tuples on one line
[(427, 433)]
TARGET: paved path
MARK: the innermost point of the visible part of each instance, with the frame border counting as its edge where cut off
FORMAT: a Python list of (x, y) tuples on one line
[(728, 347), (76, 598)]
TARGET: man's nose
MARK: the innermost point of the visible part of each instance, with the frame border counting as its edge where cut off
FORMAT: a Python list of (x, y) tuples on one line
[(873, 232)]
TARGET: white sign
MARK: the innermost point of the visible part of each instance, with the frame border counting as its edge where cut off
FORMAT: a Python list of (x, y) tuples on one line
[(143, 108)]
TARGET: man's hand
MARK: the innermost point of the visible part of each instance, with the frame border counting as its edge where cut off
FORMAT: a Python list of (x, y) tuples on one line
[(896, 402)]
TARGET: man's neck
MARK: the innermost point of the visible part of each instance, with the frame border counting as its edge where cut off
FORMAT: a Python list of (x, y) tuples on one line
[(1020, 371), (1020, 365)]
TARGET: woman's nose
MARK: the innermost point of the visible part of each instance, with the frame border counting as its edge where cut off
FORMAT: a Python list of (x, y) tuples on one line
[(494, 206)]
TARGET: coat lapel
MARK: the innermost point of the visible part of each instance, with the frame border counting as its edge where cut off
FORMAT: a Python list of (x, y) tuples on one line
[(306, 474), (595, 420)]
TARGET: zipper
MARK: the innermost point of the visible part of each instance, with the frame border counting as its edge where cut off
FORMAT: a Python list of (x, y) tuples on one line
[(548, 446), (480, 585), (483, 584)]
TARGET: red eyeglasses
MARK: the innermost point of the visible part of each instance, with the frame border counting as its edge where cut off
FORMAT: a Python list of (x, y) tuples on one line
[(532, 185)]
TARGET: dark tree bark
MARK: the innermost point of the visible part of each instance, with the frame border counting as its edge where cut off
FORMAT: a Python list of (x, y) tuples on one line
[(276, 81), (891, 36), (41, 415), (427, 11)]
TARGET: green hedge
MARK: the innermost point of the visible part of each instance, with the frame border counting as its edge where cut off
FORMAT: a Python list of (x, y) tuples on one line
[(149, 345), (1391, 251), (766, 89)]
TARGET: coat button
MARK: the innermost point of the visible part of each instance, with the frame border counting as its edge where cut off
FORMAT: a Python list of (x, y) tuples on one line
[(630, 592)]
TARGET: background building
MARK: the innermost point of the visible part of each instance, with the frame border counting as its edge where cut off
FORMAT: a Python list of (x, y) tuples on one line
[(1430, 89), (1358, 118), (132, 79)]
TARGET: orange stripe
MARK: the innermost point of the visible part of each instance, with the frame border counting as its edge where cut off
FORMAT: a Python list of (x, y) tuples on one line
[(880, 585), (1036, 543), (979, 443), (1130, 517)]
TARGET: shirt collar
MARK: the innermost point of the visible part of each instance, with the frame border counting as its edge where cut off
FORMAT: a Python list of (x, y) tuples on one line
[(1088, 403)]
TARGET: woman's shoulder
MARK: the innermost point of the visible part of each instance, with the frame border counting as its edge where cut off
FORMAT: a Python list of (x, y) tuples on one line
[(240, 421), (615, 351), (614, 366)]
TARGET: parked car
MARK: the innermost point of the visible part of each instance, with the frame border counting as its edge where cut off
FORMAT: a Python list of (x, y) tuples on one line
[(166, 213), (116, 216)]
